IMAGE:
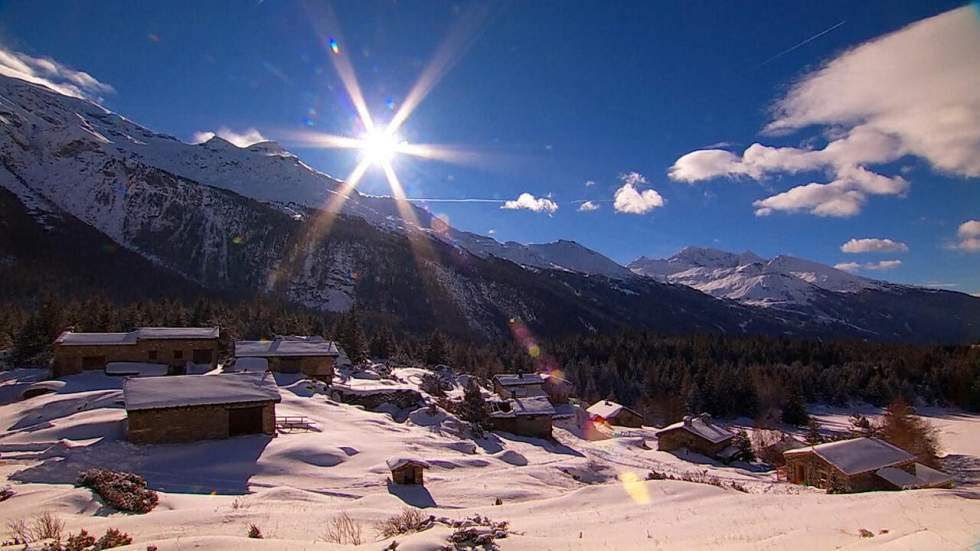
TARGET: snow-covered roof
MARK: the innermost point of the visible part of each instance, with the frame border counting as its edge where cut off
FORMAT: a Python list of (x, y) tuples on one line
[(198, 390), (251, 365), (136, 368), (288, 346), (514, 379), (71, 338), (530, 405), (922, 477), (608, 409), (400, 461), (155, 333), (857, 455), (700, 426)]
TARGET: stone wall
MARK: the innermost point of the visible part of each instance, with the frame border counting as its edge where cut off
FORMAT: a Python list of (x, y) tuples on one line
[(626, 418), (314, 367), (188, 424), (812, 470), (680, 438), (174, 352), (538, 426)]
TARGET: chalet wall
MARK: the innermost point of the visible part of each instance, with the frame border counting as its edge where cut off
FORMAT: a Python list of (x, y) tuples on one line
[(680, 438), (538, 426), (626, 418), (408, 474), (187, 424), (69, 360), (317, 367)]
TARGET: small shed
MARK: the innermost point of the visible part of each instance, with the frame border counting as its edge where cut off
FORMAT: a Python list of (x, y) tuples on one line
[(615, 414), (407, 470), (312, 356), (860, 464), (518, 385), (185, 408), (531, 416), (698, 434)]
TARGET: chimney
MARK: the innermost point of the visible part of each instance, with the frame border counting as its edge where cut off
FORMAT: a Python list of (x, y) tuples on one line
[(705, 418), (687, 420)]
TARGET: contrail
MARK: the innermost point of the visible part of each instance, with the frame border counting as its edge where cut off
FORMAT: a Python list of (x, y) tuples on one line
[(805, 42), (463, 200)]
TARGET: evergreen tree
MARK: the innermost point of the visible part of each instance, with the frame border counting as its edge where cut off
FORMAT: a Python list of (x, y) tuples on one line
[(813, 436), (744, 447), (435, 352), (351, 336), (474, 408), (794, 411), (382, 344), (901, 427), (33, 342)]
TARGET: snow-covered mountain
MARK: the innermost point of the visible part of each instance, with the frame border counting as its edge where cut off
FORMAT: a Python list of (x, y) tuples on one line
[(245, 220), (749, 278)]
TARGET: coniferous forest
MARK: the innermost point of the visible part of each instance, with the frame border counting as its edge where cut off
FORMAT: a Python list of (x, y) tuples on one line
[(663, 376)]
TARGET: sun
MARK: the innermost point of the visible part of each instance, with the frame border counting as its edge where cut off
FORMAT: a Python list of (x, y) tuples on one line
[(378, 147)]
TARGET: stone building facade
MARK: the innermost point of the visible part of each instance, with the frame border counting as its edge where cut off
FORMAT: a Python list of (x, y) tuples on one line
[(172, 346), (312, 356)]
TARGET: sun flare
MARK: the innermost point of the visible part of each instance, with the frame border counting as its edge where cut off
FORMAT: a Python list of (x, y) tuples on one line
[(378, 147)]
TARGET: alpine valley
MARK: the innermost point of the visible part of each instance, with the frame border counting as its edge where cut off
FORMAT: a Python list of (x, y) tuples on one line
[(91, 199)]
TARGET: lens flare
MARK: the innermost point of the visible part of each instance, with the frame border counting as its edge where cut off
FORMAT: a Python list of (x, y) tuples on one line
[(378, 147), (634, 487), (334, 46)]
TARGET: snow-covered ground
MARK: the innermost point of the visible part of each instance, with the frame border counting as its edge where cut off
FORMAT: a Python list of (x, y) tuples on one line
[(573, 493)]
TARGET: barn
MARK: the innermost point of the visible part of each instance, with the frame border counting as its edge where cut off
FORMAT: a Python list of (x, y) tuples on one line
[(174, 347), (698, 434), (185, 408), (312, 356), (529, 416), (859, 464), (615, 414), (518, 385)]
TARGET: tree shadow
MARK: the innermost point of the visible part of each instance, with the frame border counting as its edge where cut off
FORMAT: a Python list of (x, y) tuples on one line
[(550, 445), (412, 494)]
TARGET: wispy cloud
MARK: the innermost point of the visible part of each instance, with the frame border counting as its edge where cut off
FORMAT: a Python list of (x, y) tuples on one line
[(589, 183), (911, 92), (872, 266), (244, 138), (56, 76), (588, 206), (874, 245), (530, 202)]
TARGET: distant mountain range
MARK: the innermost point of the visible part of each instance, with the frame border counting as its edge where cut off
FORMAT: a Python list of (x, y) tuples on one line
[(241, 221)]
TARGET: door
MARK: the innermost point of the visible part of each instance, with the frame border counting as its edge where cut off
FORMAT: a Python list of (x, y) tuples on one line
[(245, 421), (800, 474)]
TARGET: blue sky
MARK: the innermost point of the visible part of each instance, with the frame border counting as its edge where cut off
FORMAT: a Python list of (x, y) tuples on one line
[(555, 94)]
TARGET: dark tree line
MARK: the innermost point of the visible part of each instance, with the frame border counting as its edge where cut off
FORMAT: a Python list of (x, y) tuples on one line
[(662, 376)]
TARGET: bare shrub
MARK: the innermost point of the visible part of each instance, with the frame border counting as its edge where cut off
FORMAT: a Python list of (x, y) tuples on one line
[(6, 493), (866, 533), (343, 529), (45, 526), (240, 504), (19, 530), (700, 477), (254, 532), (124, 491), (112, 538), (409, 520)]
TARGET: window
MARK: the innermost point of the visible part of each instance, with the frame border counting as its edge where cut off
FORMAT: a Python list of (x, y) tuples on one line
[(178, 354), (152, 354)]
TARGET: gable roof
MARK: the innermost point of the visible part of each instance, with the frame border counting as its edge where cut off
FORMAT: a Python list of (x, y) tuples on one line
[(515, 379), (287, 346), (857, 455), (530, 405), (71, 338), (608, 409), (702, 427), (198, 390), (400, 461)]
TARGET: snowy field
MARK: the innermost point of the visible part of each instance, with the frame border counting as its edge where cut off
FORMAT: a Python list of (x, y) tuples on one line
[(571, 493)]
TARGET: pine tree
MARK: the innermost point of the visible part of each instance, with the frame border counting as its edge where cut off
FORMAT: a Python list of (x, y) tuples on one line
[(382, 345), (794, 411), (744, 447), (435, 353), (901, 427), (813, 436), (474, 408), (351, 337)]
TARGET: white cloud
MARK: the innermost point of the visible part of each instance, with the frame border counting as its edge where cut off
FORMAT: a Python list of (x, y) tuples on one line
[(589, 183), (968, 235), (874, 245), (628, 199), (588, 206), (242, 139), (872, 266), (56, 76), (913, 92), (532, 203), (633, 178)]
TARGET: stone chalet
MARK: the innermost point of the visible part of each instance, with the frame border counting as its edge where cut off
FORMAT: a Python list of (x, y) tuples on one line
[(860, 464), (312, 356), (615, 414), (185, 408), (170, 346), (697, 434), (529, 416), (524, 385), (407, 470)]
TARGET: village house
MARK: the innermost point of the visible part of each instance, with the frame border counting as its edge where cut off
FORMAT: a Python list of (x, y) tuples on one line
[(407, 470), (186, 408), (615, 414), (530, 416), (312, 356), (523, 385), (859, 464), (170, 346), (697, 434)]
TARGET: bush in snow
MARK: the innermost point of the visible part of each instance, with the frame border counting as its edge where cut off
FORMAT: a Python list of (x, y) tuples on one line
[(83, 541), (409, 520), (123, 491), (6, 493), (431, 384), (343, 529), (254, 532)]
